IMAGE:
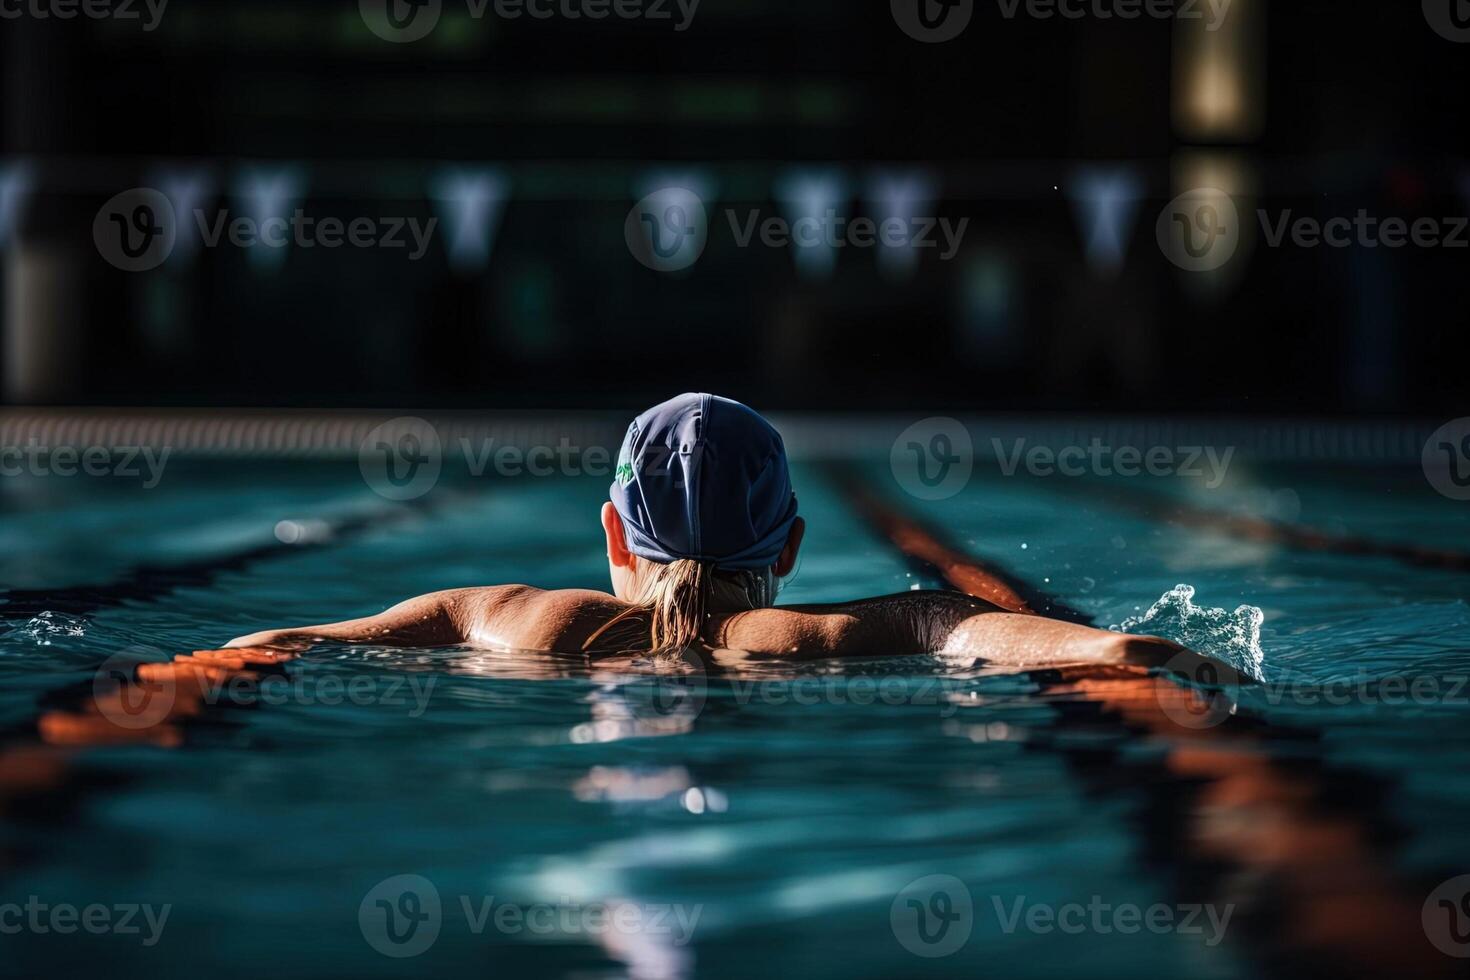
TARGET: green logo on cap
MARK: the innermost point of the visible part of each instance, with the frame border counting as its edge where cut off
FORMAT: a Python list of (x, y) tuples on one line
[(624, 472)]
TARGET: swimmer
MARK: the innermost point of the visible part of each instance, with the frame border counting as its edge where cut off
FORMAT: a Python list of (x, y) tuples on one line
[(701, 527)]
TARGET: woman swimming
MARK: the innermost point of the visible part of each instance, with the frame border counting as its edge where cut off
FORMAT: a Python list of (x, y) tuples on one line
[(701, 526)]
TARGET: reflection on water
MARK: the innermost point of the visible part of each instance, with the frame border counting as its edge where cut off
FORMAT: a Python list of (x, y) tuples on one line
[(791, 803)]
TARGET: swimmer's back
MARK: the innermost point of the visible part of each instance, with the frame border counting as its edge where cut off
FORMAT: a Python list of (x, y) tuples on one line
[(576, 621)]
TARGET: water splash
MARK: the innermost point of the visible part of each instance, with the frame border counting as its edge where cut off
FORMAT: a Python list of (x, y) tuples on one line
[(49, 625), (1234, 638)]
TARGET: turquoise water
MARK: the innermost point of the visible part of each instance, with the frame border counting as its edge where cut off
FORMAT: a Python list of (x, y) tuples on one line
[(751, 829)]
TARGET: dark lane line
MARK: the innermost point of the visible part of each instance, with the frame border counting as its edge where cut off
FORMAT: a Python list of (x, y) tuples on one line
[(148, 582), (926, 548), (1311, 834), (39, 782), (1156, 508)]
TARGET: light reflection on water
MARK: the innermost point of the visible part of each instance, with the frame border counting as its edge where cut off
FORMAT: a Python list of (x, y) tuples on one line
[(791, 803)]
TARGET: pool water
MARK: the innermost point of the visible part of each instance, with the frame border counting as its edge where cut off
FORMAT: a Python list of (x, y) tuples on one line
[(767, 823)]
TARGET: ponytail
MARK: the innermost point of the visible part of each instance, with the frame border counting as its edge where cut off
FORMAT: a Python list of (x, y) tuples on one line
[(676, 599)]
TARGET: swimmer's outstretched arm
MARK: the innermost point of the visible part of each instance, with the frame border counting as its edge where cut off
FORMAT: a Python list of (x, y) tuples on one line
[(512, 617), (946, 623), (430, 620), (1011, 640)]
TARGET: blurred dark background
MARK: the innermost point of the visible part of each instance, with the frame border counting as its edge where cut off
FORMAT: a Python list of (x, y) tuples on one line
[(1061, 140)]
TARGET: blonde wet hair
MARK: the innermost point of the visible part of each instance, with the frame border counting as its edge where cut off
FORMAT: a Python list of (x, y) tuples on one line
[(674, 601)]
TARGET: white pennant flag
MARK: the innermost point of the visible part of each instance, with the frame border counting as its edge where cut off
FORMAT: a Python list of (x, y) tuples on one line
[(812, 200), (15, 187), (1106, 200), (902, 197), (470, 203), (188, 189), (269, 193)]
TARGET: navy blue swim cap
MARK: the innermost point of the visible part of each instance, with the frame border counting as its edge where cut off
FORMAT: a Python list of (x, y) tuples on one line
[(704, 478)]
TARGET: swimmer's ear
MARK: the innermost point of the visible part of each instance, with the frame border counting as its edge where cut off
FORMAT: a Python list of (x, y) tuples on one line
[(617, 539), (787, 561)]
